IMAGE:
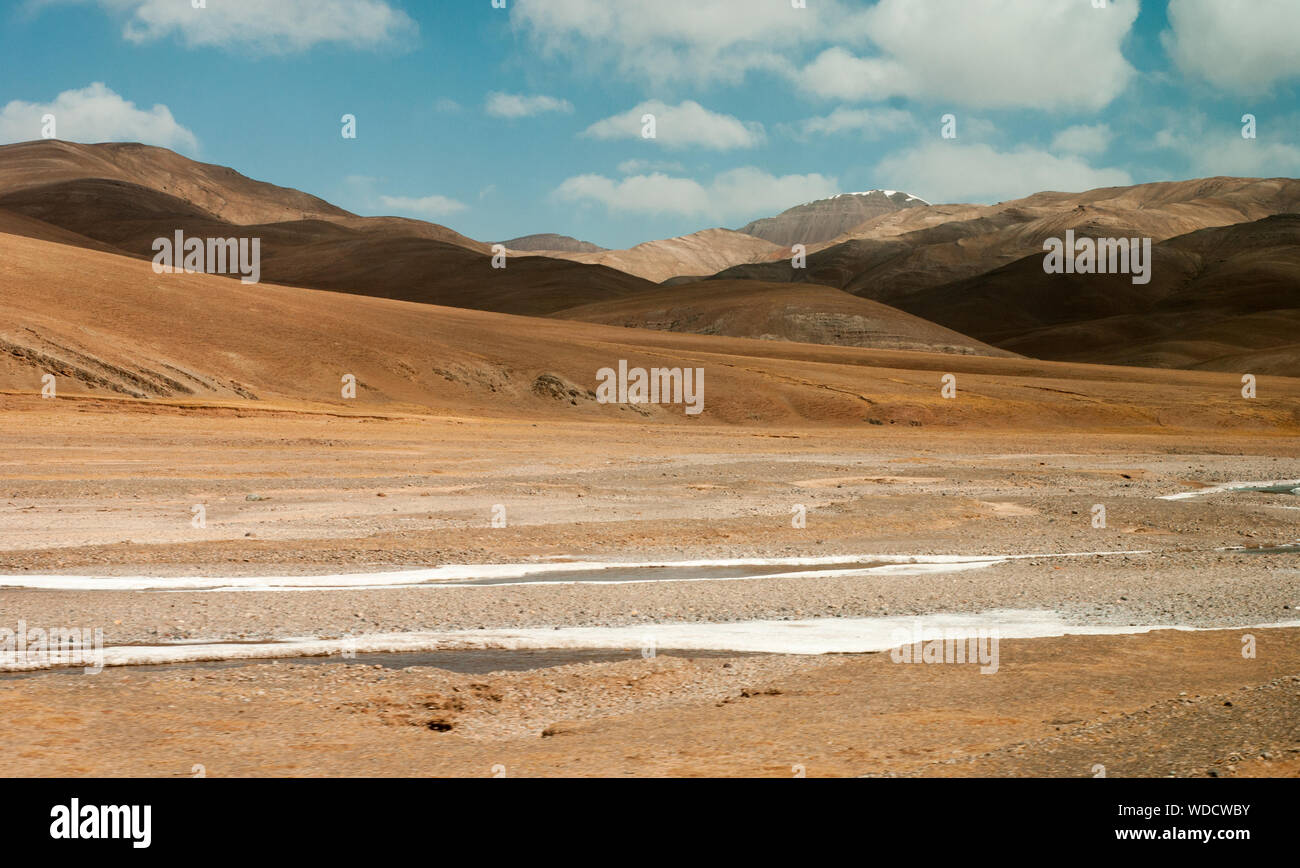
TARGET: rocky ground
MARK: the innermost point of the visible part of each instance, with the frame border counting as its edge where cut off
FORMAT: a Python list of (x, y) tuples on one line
[(284, 496), (1186, 704)]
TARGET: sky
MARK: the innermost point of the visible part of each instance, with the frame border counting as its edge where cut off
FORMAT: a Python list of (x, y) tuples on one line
[(501, 122)]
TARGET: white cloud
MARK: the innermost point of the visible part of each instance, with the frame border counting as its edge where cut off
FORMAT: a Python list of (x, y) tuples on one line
[(446, 105), (681, 126), (1233, 155), (994, 53), (640, 167), (362, 191), (871, 123), (951, 172), (1083, 139), (426, 206), (1212, 150), (989, 53), (738, 194), (1244, 48), (511, 105), (839, 74), (674, 40), (969, 128), (274, 27), (96, 114)]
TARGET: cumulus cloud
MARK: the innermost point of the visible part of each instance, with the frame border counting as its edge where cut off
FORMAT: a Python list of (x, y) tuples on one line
[(981, 53), (425, 206), (681, 126), (1244, 49), (984, 53), (1219, 149), (1233, 155), (735, 195), (1083, 139), (362, 190), (675, 40), (870, 123), (837, 73), (512, 105), (281, 26), (96, 114), (951, 172)]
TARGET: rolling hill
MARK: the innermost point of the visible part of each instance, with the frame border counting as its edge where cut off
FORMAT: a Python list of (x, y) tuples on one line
[(549, 241), (119, 338), (388, 257), (688, 256), (1225, 299), (805, 313), (943, 278)]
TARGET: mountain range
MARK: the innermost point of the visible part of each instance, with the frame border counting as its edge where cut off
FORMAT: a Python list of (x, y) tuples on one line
[(884, 269)]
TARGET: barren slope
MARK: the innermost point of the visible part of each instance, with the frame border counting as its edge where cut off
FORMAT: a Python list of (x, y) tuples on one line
[(1225, 299), (696, 255), (106, 325), (549, 241), (216, 189), (805, 313), (895, 255), (385, 257), (826, 219), (61, 176)]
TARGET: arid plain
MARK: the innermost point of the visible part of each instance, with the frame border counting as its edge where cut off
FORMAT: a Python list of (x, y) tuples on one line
[(178, 391)]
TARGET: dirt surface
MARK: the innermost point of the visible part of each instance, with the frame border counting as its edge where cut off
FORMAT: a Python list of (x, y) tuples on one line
[(1125, 711), (111, 493)]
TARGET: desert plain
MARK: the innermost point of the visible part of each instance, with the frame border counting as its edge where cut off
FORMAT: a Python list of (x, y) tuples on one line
[(932, 478)]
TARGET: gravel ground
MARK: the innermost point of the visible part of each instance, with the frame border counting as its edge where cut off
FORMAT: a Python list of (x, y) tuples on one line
[(1183, 736), (1204, 590), (290, 504), (1055, 707)]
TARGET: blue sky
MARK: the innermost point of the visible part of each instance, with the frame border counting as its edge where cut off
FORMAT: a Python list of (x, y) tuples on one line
[(504, 122)]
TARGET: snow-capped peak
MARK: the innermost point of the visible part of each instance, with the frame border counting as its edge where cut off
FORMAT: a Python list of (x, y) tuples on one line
[(890, 193)]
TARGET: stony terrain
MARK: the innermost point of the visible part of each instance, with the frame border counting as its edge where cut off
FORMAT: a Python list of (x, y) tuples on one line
[(197, 426)]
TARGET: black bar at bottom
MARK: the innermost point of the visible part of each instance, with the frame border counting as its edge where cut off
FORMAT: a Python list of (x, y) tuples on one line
[(329, 818)]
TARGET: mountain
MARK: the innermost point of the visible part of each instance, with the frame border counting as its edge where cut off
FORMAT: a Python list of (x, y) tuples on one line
[(111, 330), (890, 257), (1224, 299), (106, 197), (782, 312), (697, 255), (978, 270), (548, 242), (214, 189), (1223, 295), (826, 219)]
